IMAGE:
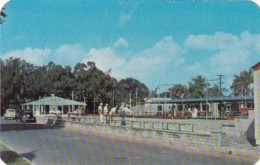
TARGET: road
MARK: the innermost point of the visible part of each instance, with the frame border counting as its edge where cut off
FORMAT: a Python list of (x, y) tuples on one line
[(42, 145)]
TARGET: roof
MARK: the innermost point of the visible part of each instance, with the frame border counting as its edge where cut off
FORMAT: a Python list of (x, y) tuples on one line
[(54, 100), (256, 66), (191, 100), (155, 99)]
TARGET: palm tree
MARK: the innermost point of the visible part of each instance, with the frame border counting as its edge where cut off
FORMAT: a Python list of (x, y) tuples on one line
[(198, 87), (241, 83), (178, 91)]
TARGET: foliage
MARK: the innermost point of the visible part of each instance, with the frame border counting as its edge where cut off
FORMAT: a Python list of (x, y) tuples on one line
[(241, 83), (179, 91), (2, 16), (22, 81)]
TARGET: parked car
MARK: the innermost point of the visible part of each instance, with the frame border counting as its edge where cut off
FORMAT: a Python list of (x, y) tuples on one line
[(9, 114), (26, 115)]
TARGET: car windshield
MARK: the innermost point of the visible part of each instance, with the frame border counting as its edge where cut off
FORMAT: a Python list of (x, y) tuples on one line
[(27, 112)]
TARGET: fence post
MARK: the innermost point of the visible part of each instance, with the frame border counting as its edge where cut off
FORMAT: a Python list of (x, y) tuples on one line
[(219, 139)]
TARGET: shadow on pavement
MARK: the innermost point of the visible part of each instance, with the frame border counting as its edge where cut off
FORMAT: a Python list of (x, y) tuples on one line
[(29, 155), (26, 126), (11, 157)]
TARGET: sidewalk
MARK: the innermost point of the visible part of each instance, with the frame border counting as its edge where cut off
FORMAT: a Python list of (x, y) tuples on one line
[(10, 157)]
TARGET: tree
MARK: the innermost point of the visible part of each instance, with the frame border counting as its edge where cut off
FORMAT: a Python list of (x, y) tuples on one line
[(132, 86), (241, 83), (178, 91), (198, 87), (17, 82), (2, 16), (22, 81)]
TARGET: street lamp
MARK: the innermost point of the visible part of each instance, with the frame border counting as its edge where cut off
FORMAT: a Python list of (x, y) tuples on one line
[(136, 98), (84, 104), (155, 91)]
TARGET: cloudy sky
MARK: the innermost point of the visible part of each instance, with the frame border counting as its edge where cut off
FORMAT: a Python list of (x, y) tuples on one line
[(156, 42)]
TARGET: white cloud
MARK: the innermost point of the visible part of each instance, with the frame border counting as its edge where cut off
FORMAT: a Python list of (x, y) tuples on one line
[(123, 18), (226, 53), (224, 41), (64, 55), (35, 56), (143, 64), (121, 42), (68, 54), (106, 58), (126, 16), (164, 62)]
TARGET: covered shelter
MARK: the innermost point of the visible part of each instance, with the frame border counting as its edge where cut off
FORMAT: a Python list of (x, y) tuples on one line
[(211, 104), (54, 104)]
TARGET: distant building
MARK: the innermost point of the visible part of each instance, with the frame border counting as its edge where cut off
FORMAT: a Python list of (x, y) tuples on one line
[(53, 104), (164, 105), (256, 69)]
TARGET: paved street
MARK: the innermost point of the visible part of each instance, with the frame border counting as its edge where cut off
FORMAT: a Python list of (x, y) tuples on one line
[(42, 145)]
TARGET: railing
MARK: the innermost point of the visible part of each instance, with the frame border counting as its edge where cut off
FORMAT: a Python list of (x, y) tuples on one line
[(135, 123), (170, 130)]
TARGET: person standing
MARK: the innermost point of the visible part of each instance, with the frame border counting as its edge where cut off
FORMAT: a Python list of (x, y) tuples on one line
[(194, 114), (173, 110), (222, 111), (122, 114), (112, 112), (100, 112), (106, 112)]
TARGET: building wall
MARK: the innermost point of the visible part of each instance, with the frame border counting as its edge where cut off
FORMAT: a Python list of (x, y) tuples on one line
[(257, 104)]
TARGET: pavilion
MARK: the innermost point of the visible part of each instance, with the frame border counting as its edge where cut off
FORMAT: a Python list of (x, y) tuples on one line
[(53, 104)]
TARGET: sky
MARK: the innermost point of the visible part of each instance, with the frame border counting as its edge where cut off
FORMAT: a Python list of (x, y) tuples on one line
[(156, 42)]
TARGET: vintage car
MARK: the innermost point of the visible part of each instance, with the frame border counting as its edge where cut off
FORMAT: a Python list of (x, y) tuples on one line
[(26, 115), (9, 114)]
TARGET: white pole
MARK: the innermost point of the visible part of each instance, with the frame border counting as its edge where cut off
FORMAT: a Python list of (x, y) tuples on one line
[(94, 103), (72, 95), (130, 100), (40, 104), (136, 98), (84, 104)]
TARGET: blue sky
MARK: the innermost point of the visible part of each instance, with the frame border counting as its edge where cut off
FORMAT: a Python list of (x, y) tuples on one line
[(156, 42)]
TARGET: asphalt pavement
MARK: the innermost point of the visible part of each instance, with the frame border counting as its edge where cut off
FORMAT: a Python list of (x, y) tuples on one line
[(43, 145)]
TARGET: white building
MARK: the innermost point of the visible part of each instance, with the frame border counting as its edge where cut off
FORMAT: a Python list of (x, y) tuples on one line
[(54, 104)]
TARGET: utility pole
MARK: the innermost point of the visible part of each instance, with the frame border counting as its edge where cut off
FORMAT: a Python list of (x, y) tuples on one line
[(220, 82)]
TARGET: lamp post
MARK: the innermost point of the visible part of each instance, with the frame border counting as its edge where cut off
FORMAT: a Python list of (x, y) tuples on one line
[(84, 103), (136, 98), (130, 99), (155, 91)]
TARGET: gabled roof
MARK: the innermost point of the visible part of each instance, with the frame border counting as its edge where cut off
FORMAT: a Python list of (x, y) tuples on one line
[(54, 100)]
